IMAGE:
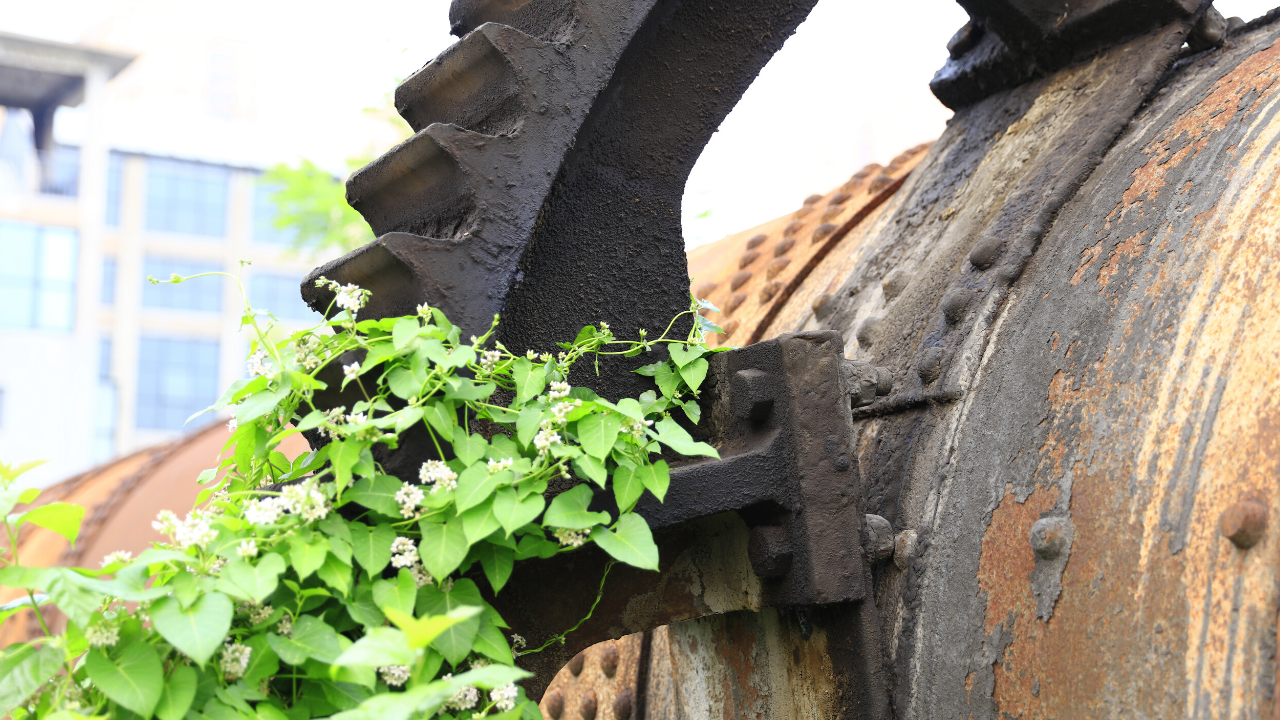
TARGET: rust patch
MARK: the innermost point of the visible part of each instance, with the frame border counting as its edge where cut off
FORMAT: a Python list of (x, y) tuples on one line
[(1007, 559), (1131, 247), (1087, 256)]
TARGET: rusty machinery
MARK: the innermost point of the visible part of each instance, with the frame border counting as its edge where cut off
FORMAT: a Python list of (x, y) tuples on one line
[(1062, 427)]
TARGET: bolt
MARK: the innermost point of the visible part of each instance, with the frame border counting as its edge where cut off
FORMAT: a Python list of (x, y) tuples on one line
[(1244, 522), (575, 665), (752, 394), (756, 241), (609, 659), (893, 284), (867, 332), (587, 708), (930, 366), (769, 550), (1049, 537), (879, 538), (904, 548), (954, 304), (622, 705), (553, 703), (824, 306)]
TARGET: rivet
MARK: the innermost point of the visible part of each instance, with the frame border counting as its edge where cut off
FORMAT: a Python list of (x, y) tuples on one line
[(739, 279), (587, 708), (622, 705), (1049, 537), (812, 199), (867, 332), (904, 548), (704, 289), (930, 366), (894, 283), (839, 198), (553, 703), (734, 301), (984, 254), (792, 228), (880, 539), (768, 291), (729, 327), (821, 232), (756, 241), (575, 665), (776, 266), (824, 306), (784, 245), (1244, 523), (804, 210), (609, 658), (747, 258), (881, 182), (954, 304), (830, 213)]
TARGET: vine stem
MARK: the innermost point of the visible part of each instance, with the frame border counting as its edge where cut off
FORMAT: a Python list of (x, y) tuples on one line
[(560, 637)]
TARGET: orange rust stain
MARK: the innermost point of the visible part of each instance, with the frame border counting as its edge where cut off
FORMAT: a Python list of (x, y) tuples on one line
[(1053, 346), (1132, 247), (1087, 256), (1007, 560)]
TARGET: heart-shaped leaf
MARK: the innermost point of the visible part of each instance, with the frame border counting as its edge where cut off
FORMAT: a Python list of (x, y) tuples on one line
[(514, 513), (656, 477), (135, 681), (62, 518), (479, 522), (198, 631), (530, 379), (254, 582), (400, 593), (25, 669), (371, 546), (670, 433), (404, 331), (627, 488), (694, 373), (476, 484), (468, 448), (682, 355), (569, 510), (421, 632), (591, 468), (443, 547), (497, 562), (632, 542), (376, 493), (597, 432), (307, 554), (179, 691)]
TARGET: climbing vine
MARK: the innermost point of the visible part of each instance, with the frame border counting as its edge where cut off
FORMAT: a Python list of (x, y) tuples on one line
[(322, 586)]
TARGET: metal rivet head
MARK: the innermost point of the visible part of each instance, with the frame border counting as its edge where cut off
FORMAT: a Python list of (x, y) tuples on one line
[(553, 703), (1244, 523), (752, 394), (575, 665), (879, 539), (609, 658), (622, 705), (769, 550), (587, 708), (1049, 537)]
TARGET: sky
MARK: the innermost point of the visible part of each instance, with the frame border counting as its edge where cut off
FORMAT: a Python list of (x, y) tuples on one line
[(849, 88)]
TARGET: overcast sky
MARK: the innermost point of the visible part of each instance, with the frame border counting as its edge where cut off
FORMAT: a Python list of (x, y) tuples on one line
[(850, 87)]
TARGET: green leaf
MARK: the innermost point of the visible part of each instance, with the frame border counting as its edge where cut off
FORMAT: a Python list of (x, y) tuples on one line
[(179, 691), (377, 493), (669, 433), (512, 512), (468, 448), (380, 646), (316, 637), (490, 643), (479, 522), (497, 562), (527, 424), (11, 498), (668, 381), (592, 468), (371, 546), (399, 594), (692, 411), (198, 631), (443, 547), (362, 607), (24, 669), (254, 582), (569, 510), (656, 477), (287, 650), (457, 388), (136, 681), (651, 369), (627, 488), (694, 373), (442, 417), (345, 455), (454, 642), (403, 383), (530, 380), (421, 633), (682, 355), (597, 432), (404, 331), (22, 603), (260, 404), (632, 543), (62, 518), (336, 574), (67, 590), (649, 403), (476, 484), (307, 554), (263, 661)]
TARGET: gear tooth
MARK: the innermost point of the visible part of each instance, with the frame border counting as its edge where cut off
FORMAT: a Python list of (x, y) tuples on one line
[(473, 85), (418, 187), (543, 19)]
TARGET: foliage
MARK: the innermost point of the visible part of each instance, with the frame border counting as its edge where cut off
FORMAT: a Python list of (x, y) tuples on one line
[(322, 586), (313, 204)]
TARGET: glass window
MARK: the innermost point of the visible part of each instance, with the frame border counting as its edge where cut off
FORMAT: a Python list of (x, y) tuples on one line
[(61, 174), (264, 216), (203, 294), (38, 276), (186, 197), (281, 296), (104, 423), (176, 378), (108, 280), (115, 177)]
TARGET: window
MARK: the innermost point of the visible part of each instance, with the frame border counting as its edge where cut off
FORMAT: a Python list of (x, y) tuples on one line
[(115, 177), (61, 175), (280, 295), (108, 280), (185, 197), (176, 378), (38, 276), (104, 421), (264, 217), (203, 294)]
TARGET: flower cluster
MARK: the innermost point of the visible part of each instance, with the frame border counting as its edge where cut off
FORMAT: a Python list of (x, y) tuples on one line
[(261, 614), (518, 641), (102, 635), (438, 476), (119, 556), (504, 697), (351, 371), (545, 439), (348, 297), (394, 675), (235, 660), (559, 390), (257, 364), (247, 549), (307, 352), (637, 428), (194, 530), (489, 360), (465, 699), (404, 553), (570, 538), (497, 466), (408, 497), (305, 500), (285, 628)]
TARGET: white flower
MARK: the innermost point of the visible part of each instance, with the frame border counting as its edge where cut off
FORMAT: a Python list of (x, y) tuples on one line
[(504, 698), (438, 475), (166, 522), (235, 660), (218, 564), (559, 390), (496, 466), (260, 615), (305, 500), (352, 370), (570, 538), (351, 298), (285, 628), (424, 310), (194, 530), (247, 549), (531, 355), (545, 439), (119, 556), (636, 428), (408, 497), (102, 635), (232, 424), (263, 511), (421, 577), (561, 410), (490, 359), (394, 675), (404, 553), (518, 641), (257, 363), (465, 699), (604, 326), (357, 418)]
